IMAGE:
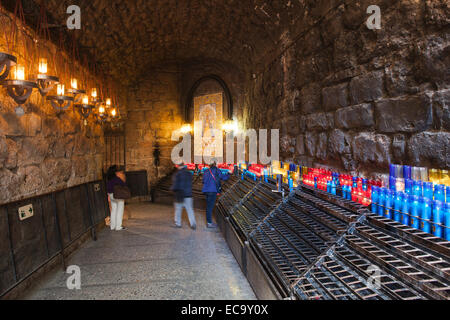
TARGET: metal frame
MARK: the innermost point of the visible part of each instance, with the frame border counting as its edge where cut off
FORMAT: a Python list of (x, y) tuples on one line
[(90, 226)]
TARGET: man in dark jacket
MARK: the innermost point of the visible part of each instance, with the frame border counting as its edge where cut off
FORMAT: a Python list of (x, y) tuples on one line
[(211, 187), (182, 186)]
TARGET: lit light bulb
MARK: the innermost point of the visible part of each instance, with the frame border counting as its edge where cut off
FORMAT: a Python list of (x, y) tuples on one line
[(230, 126), (42, 66), (108, 102), (101, 109), (113, 112), (74, 83), (94, 93), (60, 89), (19, 72), (85, 100), (186, 128)]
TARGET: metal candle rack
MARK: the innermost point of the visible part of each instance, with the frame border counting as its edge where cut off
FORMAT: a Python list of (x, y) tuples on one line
[(314, 245)]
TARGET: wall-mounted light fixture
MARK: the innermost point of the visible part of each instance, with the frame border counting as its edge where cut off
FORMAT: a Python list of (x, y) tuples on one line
[(18, 88), (60, 102), (85, 109), (6, 62), (44, 81), (74, 91), (230, 126), (186, 128)]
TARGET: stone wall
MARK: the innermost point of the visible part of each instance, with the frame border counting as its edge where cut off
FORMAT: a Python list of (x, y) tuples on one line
[(42, 151), (153, 114), (357, 99)]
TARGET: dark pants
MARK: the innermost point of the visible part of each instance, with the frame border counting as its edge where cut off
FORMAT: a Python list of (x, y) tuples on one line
[(210, 202)]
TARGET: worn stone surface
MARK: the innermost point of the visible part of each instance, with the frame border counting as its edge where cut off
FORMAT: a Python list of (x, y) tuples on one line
[(335, 97), (410, 114), (371, 149), (38, 149), (430, 148), (385, 88), (339, 143), (359, 116), (366, 88)]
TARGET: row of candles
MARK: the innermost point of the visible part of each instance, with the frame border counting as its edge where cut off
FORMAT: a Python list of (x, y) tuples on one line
[(20, 89), (419, 205)]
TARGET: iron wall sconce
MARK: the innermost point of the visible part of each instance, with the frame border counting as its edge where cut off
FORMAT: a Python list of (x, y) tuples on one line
[(6, 62), (77, 93), (19, 90), (85, 111), (46, 83), (60, 103)]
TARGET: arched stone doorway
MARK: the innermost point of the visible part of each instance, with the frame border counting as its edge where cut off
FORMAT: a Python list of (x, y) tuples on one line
[(209, 84)]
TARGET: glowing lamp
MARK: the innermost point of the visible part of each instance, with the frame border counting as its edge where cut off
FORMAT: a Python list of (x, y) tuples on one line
[(113, 112), (186, 128), (101, 110), (19, 72), (74, 83), (230, 126), (43, 66), (94, 93), (60, 90), (108, 102), (85, 100)]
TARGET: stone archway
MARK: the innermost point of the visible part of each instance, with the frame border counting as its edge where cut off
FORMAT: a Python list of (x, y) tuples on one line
[(188, 105)]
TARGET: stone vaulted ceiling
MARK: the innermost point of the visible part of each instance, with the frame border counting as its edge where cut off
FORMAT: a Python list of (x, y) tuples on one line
[(133, 36)]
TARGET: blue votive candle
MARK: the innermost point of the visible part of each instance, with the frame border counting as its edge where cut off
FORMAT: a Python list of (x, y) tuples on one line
[(428, 190), (398, 205), (425, 215), (438, 218), (406, 209), (439, 192), (389, 204), (375, 199), (415, 212), (407, 172)]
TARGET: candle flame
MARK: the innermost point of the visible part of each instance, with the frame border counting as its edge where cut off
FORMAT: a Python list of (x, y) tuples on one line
[(19, 72), (60, 89), (42, 66), (74, 83), (85, 100)]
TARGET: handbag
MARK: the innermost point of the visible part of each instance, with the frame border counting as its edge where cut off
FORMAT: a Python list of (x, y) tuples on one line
[(121, 192), (218, 185)]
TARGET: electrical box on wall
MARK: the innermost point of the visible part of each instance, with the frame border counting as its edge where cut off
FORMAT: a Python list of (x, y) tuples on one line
[(26, 212)]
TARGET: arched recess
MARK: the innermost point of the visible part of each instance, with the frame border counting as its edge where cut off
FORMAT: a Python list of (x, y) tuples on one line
[(190, 97)]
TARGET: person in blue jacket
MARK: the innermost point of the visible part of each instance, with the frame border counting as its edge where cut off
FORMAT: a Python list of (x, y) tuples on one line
[(211, 187), (182, 187)]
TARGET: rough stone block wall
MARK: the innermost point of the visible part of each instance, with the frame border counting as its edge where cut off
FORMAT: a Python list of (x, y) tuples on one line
[(153, 114), (357, 99), (42, 151)]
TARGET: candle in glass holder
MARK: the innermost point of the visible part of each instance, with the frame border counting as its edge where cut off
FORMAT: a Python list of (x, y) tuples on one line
[(85, 100), (423, 173), (42, 66), (74, 83), (60, 89), (19, 72)]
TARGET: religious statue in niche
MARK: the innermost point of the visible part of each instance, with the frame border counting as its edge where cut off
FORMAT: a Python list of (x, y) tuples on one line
[(208, 115)]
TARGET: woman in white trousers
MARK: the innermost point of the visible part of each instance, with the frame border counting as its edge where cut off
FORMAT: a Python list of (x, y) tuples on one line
[(116, 176), (117, 208)]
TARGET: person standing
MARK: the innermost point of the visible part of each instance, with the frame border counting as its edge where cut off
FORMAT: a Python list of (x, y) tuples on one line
[(211, 188), (182, 187), (116, 176)]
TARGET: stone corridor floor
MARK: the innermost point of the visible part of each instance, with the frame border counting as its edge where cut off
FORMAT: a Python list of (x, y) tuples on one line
[(152, 260)]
